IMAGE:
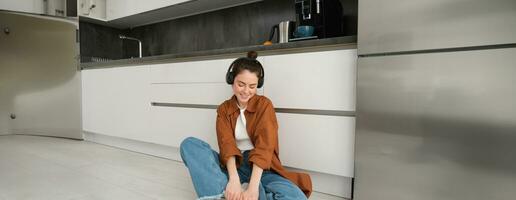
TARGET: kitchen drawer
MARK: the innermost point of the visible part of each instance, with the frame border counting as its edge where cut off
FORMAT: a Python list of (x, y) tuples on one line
[(208, 71), (317, 143), (192, 93), (171, 125), (317, 80), (190, 72)]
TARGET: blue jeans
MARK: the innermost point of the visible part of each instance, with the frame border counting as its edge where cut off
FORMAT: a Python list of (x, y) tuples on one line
[(210, 179)]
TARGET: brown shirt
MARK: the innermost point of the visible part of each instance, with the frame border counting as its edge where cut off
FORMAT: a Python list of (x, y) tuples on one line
[(262, 128)]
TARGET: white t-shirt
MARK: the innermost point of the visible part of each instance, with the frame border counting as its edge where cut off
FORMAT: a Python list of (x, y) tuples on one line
[(241, 136)]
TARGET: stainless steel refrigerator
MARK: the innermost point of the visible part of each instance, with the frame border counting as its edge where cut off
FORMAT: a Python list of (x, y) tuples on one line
[(436, 100)]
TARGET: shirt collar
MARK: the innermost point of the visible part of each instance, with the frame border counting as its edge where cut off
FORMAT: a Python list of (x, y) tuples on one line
[(251, 104)]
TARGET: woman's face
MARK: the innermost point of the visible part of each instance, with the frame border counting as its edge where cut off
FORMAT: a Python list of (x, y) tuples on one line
[(244, 86)]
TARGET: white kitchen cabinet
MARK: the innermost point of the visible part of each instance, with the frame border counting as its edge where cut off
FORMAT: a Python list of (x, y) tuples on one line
[(198, 82), (123, 8), (208, 71), (115, 102), (191, 93), (133, 13), (31, 6), (171, 125), (317, 142), (322, 80), (47, 7), (124, 14), (95, 9)]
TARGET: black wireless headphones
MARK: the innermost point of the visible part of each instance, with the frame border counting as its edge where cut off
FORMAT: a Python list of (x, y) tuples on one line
[(230, 75)]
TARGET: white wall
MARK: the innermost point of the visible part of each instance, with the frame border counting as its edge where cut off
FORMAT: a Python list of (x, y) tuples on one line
[(39, 76)]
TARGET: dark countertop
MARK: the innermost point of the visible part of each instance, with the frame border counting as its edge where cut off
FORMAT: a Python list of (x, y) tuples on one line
[(274, 49)]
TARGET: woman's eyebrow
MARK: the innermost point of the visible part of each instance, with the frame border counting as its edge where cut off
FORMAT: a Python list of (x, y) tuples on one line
[(247, 84)]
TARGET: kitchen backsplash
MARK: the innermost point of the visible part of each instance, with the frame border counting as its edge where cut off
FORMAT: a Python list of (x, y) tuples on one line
[(232, 27), (98, 41)]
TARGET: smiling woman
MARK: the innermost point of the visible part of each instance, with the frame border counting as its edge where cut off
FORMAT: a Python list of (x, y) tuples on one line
[(245, 75), (248, 166)]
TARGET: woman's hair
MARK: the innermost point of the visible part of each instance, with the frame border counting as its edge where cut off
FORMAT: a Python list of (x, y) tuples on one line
[(246, 63)]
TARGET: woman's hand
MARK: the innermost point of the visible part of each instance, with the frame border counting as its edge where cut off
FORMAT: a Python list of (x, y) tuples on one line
[(233, 190), (251, 193)]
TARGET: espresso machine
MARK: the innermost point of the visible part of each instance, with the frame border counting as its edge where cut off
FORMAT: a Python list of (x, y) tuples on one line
[(324, 15)]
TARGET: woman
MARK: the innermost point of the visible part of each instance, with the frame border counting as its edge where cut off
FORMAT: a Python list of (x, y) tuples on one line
[(248, 167)]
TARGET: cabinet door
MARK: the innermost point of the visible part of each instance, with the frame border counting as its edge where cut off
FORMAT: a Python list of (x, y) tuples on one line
[(200, 82), (428, 119), (117, 8), (191, 93), (209, 71), (32, 6), (401, 25), (115, 101), (42, 87), (317, 80), (123, 8), (317, 143), (171, 125), (97, 11)]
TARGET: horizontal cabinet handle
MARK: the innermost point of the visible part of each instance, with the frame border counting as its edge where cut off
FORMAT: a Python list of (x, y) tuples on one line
[(278, 110)]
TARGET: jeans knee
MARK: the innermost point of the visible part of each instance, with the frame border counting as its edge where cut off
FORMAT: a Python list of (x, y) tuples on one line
[(188, 143), (192, 145), (186, 146)]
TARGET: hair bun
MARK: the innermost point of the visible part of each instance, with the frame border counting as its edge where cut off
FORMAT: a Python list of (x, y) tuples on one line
[(252, 54)]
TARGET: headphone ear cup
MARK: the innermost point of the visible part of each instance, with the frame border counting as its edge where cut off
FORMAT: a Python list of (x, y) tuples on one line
[(260, 82), (230, 78)]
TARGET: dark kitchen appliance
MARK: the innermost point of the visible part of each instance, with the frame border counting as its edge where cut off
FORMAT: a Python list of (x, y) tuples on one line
[(324, 15)]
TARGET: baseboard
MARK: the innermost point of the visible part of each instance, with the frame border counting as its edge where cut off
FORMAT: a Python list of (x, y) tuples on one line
[(51, 132), (323, 183), (148, 148)]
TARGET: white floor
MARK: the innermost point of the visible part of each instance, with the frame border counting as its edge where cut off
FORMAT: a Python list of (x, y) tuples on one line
[(34, 167)]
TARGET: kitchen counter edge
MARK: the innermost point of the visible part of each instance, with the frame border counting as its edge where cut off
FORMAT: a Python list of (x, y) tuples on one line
[(345, 42)]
